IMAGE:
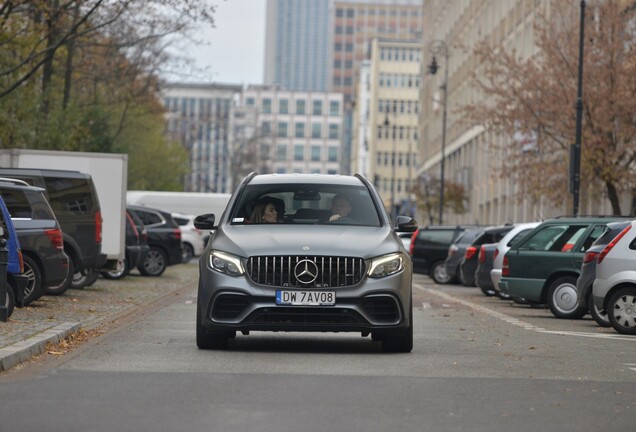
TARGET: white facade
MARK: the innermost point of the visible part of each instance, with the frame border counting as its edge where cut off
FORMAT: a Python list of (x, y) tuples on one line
[(299, 131)]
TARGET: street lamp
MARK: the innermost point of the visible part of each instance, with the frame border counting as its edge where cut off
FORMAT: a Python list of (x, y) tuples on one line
[(575, 151), (393, 156), (440, 47)]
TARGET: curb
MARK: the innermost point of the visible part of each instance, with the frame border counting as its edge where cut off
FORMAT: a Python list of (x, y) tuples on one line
[(19, 352)]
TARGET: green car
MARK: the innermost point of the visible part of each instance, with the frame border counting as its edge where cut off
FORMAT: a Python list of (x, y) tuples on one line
[(543, 266)]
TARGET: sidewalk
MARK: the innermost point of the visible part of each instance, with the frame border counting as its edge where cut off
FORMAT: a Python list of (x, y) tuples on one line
[(52, 318)]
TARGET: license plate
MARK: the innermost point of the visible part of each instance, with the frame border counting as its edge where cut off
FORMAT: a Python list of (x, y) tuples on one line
[(306, 298)]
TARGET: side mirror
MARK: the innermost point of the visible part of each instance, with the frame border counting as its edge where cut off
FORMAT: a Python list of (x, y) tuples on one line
[(205, 222), (406, 224)]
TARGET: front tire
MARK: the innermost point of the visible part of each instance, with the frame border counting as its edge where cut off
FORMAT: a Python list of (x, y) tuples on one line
[(121, 271), (562, 299), (209, 341), (402, 342), (188, 252), (621, 311), (9, 302), (155, 263), (33, 288)]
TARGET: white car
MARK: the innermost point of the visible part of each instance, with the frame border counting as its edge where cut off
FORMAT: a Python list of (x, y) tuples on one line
[(193, 239), (502, 247), (614, 288)]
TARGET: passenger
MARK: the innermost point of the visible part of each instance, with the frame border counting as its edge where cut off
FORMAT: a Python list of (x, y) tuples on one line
[(340, 208), (265, 211)]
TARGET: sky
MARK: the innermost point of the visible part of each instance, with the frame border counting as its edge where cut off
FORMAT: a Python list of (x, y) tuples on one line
[(234, 53)]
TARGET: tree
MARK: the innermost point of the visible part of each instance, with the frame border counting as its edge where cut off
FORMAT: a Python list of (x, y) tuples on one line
[(533, 101), (427, 196)]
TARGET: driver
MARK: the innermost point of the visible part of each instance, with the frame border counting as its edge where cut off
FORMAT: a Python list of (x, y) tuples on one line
[(340, 208)]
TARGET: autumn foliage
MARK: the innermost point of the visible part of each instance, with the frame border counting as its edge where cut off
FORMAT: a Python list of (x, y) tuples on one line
[(532, 101)]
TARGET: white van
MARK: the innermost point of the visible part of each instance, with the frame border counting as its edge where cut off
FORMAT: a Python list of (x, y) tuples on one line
[(191, 203)]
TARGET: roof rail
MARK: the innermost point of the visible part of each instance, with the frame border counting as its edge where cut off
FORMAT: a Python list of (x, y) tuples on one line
[(14, 181), (594, 216)]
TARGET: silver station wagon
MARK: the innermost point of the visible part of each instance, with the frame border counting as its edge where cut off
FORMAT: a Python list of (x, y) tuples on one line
[(309, 253)]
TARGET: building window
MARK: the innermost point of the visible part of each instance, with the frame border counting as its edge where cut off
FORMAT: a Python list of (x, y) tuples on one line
[(339, 13), (266, 128), (316, 130), (317, 107), (267, 106), (300, 106), (299, 130), (334, 108), (337, 47), (348, 47), (337, 64), (315, 153), (299, 152), (250, 101), (332, 154), (281, 152), (283, 106), (282, 129), (333, 131)]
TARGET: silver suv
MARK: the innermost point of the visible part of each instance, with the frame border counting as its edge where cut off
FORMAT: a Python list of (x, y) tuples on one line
[(308, 270), (614, 288)]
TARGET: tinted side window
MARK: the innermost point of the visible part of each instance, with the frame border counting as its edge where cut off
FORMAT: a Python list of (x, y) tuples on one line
[(17, 203), (521, 234), (597, 232), (69, 195), (179, 220), (554, 238), (435, 237), (149, 218)]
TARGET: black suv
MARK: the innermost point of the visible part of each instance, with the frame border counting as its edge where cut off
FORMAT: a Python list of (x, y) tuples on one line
[(74, 200), (164, 240), (45, 263), (469, 263), (429, 249), (136, 248)]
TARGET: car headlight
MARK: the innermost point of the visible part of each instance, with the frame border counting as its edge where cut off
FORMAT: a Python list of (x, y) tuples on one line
[(225, 263), (386, 265)]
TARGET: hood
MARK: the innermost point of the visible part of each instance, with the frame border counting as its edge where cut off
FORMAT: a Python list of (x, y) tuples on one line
[(340, 240)]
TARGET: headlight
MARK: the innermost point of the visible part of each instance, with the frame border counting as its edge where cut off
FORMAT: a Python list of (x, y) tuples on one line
[(386, 265), (225, 263)]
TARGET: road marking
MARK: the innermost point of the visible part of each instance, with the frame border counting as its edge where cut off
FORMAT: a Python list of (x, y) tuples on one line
[(519, 323)]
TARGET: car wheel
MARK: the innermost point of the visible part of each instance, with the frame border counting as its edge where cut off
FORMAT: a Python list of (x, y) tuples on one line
[(80, 279), (621, 311), (205, 340), (600, 316), (120, 271), (439, 274), (402, 342), (92, 277), (488, 292), (9, 301), (155, 263), (562, 299), (188, 252), (64, 286), (33, 288)]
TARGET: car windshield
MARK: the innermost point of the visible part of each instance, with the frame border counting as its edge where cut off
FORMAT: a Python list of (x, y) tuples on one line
[(306, 204)]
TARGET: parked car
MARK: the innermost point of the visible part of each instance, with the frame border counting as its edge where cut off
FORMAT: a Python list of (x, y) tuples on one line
[(588, 272), (543, 267), (485, 259), (16, 280), (40, 237), (164, 240), (514, 235), (306, 273), (73, 198), (192, 238), (429, 249), (468, 265), (136, 248), (614, 288), (456, 253), (406, 240)]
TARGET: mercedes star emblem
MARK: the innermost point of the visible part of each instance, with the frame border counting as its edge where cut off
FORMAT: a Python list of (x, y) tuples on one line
[(306, 271)]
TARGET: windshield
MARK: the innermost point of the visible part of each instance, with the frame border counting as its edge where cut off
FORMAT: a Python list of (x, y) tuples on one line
[(305, 204)]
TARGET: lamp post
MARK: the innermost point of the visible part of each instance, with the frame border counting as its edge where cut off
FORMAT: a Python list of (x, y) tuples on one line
[(387, 123), (575, 151), (440, 47)]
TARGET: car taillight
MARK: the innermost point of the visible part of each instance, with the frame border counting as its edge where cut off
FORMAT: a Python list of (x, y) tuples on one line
[(177, 233), (495, 254), (57, 240), (413, 241), (589, 257), (98, 227), (452, 250), (470, 252), (505, 270), (482, 255), (611, 244)]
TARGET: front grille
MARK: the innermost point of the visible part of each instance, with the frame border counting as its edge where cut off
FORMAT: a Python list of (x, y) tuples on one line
[(329, 272)]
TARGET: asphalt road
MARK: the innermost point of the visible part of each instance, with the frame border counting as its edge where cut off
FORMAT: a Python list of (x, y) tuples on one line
[(479, 364)]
